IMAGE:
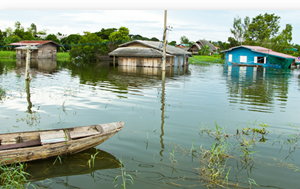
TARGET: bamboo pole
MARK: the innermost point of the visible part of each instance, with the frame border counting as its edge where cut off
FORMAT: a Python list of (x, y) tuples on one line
[(27, 76), (164, 49)]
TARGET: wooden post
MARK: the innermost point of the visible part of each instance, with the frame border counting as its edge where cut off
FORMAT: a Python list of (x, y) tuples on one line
[(114, 61), (164, 49), (27, 76)]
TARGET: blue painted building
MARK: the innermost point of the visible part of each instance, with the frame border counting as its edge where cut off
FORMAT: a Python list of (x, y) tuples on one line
[(257, 56)]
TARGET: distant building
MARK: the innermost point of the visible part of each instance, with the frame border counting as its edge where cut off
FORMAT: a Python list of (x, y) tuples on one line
[(59, 37), (184, 47), (194, 49), (149, 54), (257, 56), (40, 49)]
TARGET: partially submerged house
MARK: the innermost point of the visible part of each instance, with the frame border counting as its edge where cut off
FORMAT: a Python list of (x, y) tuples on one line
[(257, 56), (149, 54), (40, 49), (194, 49)]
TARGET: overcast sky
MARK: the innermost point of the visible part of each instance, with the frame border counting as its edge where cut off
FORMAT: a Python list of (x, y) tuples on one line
[(189, 18)]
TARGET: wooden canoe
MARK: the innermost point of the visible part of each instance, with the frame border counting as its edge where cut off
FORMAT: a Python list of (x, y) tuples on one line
[(34, 145)]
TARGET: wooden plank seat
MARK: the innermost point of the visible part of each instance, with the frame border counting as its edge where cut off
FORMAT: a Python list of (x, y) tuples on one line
[(21, 145)]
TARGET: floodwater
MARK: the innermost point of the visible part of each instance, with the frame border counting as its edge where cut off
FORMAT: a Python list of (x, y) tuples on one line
[(169, 126)]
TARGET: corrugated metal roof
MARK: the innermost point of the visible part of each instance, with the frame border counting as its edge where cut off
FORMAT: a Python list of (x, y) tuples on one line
[(263, 50), (35, 43), (156, 45), (136, 51)]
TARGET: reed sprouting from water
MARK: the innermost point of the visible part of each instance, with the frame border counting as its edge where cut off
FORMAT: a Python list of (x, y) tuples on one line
[(13, 176)]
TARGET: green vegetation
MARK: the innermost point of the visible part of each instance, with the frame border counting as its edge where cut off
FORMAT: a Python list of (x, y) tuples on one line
[(13, 176), (262, 30), (124, 175), (2, 92), (91, 161), (203, 59), (63, 56), (8, 54)]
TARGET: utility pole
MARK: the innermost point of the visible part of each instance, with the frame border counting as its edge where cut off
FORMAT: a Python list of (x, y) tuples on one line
[(164, 48)]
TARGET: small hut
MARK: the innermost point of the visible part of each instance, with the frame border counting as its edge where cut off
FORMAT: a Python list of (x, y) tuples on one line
[(40, 49), (149, 54), (200, 44)]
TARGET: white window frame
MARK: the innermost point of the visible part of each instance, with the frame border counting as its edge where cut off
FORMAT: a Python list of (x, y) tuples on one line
[(230, 57), (256, 57), (243, 59)]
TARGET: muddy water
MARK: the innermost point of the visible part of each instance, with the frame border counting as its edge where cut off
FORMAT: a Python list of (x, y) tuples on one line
[(167, 124)]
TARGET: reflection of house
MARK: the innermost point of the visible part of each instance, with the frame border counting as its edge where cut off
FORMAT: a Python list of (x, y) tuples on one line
[(149, 54), (48, 65), (257, 56), (45, 49), (199, 45)]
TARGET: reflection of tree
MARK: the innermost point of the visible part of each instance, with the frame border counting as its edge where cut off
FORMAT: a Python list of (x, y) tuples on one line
[(257, 87), (6, 65)]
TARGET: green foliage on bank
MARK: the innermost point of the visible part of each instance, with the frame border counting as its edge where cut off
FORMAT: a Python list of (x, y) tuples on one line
[(7, 54), (196, 59), (62, 56)]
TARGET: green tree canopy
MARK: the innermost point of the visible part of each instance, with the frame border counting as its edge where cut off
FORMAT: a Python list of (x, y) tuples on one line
[(173, 43), (71, 40), (105, 33), (89, 49), (240, 29), (52, 37), (263, 27), (120, 36)]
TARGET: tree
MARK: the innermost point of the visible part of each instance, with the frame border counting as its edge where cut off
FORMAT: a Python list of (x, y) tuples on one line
[(10, 39), (120, 36), (205, 50), (263, 27), (240, 30), (184, 40), (52, 37), (43, 32), (105, 33), (154, 39), (173, 43), (17, 25), (232, 42), (70, 41), (33, 29), (90, 49)]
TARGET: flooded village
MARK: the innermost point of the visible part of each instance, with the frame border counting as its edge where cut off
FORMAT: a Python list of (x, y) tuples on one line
[(112, 109)]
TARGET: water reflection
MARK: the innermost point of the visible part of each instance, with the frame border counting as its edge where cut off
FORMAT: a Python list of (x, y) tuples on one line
[(27, 85), (163, 81), (48, 65), (75, 164), (257, 88)]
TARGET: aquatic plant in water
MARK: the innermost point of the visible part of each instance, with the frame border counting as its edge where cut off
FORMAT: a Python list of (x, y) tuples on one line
[(125, 177), (13, 176)]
